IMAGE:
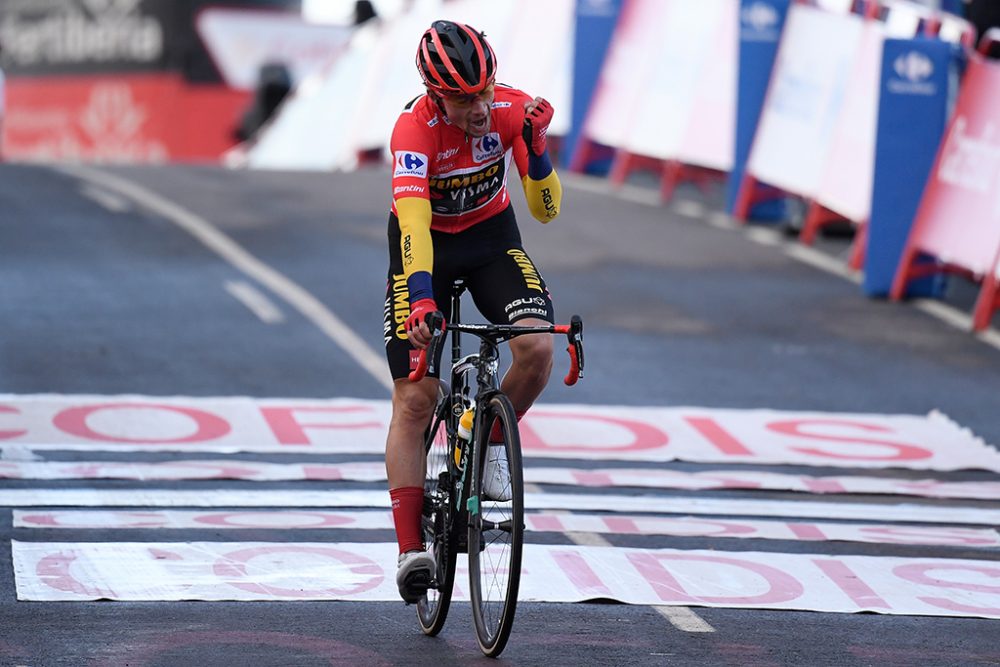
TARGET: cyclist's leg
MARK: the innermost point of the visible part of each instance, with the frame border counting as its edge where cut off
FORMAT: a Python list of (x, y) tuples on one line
[(412, 407), (507, 288)]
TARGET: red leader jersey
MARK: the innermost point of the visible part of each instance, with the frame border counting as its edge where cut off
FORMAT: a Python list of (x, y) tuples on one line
[(465, 179)]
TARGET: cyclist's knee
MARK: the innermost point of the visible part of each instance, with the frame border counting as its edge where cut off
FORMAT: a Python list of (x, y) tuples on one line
[(413, 402), (533, 353)]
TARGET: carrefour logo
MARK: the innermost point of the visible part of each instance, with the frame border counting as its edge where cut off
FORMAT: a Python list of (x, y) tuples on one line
[(487, 147), (410, 163), (913, 66), (760, 17), (914, 70)]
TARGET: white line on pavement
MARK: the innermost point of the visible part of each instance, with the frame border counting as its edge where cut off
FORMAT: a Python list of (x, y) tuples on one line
[(823, 262), (296, 296), (721, 220), (681, 618), (598, 186), (256, 301), (796, 251), (767, 237), (105, 199), (689, 209), (684, 619)]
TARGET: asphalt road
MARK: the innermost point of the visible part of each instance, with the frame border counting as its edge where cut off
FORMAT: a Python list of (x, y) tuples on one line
[(103, 294)]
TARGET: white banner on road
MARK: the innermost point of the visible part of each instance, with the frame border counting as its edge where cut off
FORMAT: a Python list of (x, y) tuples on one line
[(618, 524), (588, 432), (551, 573), (374, 471), (542, 501)]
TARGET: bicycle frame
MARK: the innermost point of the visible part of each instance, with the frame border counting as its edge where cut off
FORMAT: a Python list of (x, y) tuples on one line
[(454, 490)]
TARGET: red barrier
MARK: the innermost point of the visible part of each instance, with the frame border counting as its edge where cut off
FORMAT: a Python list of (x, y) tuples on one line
[(958, 222), (148, 117)]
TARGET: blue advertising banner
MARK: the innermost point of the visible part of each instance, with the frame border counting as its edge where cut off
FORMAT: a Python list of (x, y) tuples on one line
[(595, 24), (761, 23), (914, 103)]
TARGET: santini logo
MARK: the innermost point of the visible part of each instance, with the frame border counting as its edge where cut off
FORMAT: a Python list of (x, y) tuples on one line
[(913, 66), (760, 16)]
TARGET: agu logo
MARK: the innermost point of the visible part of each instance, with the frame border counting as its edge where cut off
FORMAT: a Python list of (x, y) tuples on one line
[(913, 66), (410, 163), (487, 147)]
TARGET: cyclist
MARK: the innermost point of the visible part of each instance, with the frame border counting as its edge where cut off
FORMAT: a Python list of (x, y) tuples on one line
[(451, 217)]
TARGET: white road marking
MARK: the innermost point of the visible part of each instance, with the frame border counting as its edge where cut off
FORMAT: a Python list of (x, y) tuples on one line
[(255, 300), (689, 209), (296, 296), (681, 618), (684, 619), (721, 220), (796, 251), (823, 262), (601, 186), (957, 319), (767, 237), (105, 199), (587, 539)]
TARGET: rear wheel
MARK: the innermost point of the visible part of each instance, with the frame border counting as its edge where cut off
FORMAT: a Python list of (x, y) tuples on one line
[(432, 609), (496, 531)]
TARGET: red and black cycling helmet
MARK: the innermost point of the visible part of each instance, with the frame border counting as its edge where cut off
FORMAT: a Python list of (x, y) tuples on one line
[(454, 59)]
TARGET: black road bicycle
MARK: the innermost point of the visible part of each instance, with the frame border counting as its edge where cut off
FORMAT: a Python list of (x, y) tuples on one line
[(458, 515)]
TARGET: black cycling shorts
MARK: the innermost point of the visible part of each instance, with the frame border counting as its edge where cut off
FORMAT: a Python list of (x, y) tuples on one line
[(499, 275)]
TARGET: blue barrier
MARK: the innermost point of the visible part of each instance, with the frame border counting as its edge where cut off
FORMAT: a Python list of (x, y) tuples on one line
[(595, 25), (919, 78), (761, 23)]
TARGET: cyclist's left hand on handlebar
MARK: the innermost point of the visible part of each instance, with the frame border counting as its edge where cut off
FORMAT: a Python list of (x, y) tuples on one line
[(416, 324), (537, 116)]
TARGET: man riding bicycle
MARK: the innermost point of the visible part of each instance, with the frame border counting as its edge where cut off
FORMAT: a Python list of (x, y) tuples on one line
[(452, 218)]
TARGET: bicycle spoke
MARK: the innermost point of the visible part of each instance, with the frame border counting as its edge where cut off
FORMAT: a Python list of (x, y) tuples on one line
[(432, 609), (495, 539)]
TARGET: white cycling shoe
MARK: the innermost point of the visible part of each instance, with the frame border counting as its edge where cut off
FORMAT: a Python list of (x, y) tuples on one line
[(496, 474), (414, 574)]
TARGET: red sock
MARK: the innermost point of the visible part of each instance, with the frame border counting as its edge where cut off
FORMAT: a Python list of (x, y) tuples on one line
[(407, 504), (495, 434)]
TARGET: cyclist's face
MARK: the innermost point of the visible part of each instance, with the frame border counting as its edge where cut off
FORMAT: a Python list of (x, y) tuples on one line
[(470, 113)]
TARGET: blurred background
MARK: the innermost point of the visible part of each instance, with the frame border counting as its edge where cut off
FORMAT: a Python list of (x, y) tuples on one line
[(794, 107)]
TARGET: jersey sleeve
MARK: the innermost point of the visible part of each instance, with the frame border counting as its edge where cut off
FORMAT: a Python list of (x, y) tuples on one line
[(541, 185), (411, 150)]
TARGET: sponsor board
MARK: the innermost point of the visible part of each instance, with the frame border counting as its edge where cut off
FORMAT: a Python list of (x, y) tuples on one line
[(550, 573), (587, 432)]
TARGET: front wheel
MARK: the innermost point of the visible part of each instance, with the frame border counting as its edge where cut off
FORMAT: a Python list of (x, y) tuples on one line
[(496, 526), (436, 519)]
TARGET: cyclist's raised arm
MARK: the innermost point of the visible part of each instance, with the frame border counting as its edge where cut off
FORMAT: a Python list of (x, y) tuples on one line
[(539, 179)]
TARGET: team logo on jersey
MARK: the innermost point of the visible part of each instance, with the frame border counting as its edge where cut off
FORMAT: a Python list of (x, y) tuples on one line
[(487, 147), (465, 190), (409, 163)]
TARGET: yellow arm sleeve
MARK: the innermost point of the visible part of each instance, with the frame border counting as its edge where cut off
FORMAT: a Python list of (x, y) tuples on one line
[(544, 196), (415, 234)]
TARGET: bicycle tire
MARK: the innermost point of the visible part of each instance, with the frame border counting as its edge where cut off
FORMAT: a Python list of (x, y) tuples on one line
[(436, 520), (496, 534)]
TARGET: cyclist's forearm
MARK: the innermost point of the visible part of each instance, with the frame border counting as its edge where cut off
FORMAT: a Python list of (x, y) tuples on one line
[(542, 188), (416, 245)]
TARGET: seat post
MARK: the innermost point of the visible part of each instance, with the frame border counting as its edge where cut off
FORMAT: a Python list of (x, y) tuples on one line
[(456, 317)]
